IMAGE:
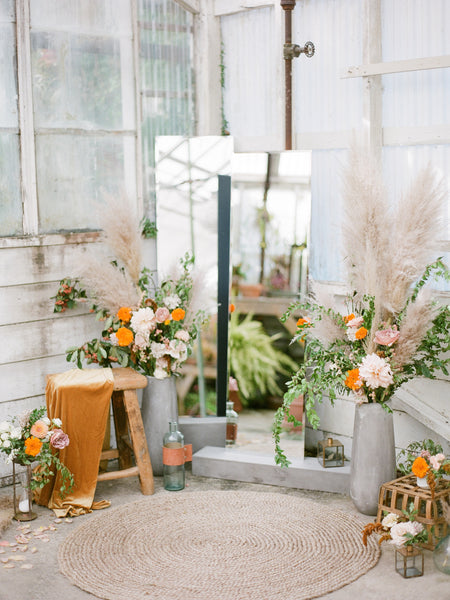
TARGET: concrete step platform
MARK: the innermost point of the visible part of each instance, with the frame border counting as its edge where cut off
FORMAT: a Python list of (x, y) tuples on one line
[(306, 473)]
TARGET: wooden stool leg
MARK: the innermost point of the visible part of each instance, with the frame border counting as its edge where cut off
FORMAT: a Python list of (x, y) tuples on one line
[(139, 441), (121, 427)]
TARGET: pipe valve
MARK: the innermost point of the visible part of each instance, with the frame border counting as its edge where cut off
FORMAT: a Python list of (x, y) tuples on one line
[(291, 51)]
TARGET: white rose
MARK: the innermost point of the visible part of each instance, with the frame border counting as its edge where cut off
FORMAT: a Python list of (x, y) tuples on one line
[(5, 436), (46, 421), (16, 433), (6, 444), (57, 422), (160, 373), (389, 520), (172, 301)]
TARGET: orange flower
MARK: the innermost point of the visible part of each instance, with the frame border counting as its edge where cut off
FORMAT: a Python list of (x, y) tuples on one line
[(302, 321), (124, 336), (353, 381), (232, 308), (349, 318), (361, 333), (33, 446), (420, 467), (124, 314), (178, 314)]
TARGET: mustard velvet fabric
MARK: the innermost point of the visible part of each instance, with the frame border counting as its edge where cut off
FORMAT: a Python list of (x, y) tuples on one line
[(81, 399)]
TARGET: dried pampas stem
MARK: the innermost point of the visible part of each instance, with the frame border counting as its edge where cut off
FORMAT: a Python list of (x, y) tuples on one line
[(110, 287), (122, 234)]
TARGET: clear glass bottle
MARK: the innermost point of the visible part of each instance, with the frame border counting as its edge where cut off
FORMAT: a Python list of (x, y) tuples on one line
[(174, 475), (232, 424)]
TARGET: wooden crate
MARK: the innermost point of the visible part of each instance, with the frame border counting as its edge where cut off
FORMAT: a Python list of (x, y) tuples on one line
[(397, 495)]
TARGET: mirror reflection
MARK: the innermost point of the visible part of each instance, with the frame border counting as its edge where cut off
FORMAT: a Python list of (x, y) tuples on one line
[(270, 216)]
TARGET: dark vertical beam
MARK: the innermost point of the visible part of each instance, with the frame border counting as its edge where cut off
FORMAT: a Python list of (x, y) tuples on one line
[(288, 6), (223, 290)]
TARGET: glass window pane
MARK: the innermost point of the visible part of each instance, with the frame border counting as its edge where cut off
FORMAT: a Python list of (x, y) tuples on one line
[(10, 198), (80, 81), (7, 11), (8, 82), (74, 171), (86, 16)]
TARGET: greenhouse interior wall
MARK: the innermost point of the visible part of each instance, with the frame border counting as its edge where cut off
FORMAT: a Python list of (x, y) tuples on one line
[(86, 86)]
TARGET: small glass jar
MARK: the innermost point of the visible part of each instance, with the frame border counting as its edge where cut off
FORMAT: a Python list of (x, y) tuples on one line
[(409, 561), (23, 497), (330, 453), (173, 462), (232, 424)]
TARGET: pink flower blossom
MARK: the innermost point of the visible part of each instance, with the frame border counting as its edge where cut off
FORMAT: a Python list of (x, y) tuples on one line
[(436, 461), (356, 322), (182, 335), (375, 372), (59, 439), (398, 532), (425, 454), (162, 314), (386, 337)]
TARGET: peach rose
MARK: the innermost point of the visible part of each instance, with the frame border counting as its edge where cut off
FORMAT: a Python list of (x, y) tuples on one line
[(386, 337), (39, 429)]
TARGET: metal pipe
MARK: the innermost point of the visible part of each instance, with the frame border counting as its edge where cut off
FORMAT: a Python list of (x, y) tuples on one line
[(288, 6)]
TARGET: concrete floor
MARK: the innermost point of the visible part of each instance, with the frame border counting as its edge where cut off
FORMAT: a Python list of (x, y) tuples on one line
[(44, 582)]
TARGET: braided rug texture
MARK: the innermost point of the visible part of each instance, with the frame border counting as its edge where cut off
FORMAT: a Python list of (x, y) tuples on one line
[(217, 545)]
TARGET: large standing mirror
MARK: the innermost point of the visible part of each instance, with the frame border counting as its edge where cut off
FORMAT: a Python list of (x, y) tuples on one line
[(267, 267)]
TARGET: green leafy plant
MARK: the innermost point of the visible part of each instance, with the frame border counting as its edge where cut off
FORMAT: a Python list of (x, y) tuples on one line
[(149, 229), (254, 361), (67, 295)]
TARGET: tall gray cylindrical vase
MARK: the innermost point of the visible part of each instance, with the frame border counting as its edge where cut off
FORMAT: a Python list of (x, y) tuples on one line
[(159, 406), (373, 455)]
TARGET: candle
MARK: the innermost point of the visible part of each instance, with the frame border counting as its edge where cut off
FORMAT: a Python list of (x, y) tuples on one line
[(24, 505)]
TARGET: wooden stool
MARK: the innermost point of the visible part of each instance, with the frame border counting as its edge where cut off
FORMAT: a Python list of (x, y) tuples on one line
[(128, 425)]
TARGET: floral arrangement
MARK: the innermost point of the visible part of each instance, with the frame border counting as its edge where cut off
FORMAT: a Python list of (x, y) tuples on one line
[(32, 437), (390, 330), (433, 467), (407, 456), (150, 328), (399, 530)]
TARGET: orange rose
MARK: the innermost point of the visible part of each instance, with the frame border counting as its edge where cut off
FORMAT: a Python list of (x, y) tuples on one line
[(349, 318), (33, 446), (420, 467), (361, 333), (353, 381), (124, 314), (178, 314), (124, 336), (39, 429)]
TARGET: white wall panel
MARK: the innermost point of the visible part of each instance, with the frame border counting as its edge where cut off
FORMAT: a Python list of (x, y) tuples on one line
[(322, 101), (253, 104), (416, 29)]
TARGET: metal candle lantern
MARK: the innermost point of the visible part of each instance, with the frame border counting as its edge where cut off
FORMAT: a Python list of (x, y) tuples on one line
[(409, 561), (330, 453), (23, 501)]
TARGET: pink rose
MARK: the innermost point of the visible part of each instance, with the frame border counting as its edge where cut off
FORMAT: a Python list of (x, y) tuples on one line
[(356, 322), (436, 461), (39, 429), (386, 337), (162, 314), (182, 335), (59, 439)]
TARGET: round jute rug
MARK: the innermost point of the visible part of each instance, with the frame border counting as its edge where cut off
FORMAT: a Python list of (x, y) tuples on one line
[(217, 545)]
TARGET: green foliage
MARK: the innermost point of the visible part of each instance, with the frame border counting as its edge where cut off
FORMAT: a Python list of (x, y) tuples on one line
[(254, 361), (406, 457), (149, 229)]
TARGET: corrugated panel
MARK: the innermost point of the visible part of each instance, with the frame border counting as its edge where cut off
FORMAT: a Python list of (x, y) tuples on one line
[(251, 98), (415, 29), (322, 101), (166, 43), (325, 260)]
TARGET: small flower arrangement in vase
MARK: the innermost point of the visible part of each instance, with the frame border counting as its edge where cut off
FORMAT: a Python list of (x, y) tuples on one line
[(429, 469), (405, 534), (33, 439)]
